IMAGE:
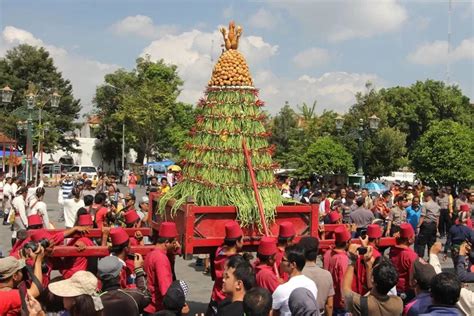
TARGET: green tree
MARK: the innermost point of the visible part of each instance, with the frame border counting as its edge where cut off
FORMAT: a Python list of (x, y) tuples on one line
[(22, 65), (444, 154), (385, 152), (412, 109), (325, 156), (145, 99), (283, 127)]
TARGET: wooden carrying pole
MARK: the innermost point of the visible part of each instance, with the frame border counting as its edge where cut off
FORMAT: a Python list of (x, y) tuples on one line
[(257, 195)]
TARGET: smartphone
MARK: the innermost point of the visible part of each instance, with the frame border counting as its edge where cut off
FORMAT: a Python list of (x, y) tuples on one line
[(131, 256), (362, 250), (363, 234)]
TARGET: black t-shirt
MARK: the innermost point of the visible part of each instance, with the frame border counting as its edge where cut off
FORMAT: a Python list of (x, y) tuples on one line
[(227, 308)]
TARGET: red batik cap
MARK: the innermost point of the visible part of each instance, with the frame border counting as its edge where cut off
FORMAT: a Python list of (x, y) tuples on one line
[(267, 246), (118, 236), (406, 231), (131, 217), (342, 234), (374, 231), (287, 230), (233, 230), (464, 208), (334, 216), (168, 230), (85, 220), (35, 220)]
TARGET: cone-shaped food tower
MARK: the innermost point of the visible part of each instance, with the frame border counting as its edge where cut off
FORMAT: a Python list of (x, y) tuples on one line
[(214, 166)]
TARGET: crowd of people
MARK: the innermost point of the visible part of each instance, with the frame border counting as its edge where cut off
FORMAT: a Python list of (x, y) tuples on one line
[(288, 274)]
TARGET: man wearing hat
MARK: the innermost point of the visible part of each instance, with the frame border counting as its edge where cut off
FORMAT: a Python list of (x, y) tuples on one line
[(12, 288), (158, 267), (422, 275), (119, 301), (265, 272), (35, 222), (120, 248), (336, 262), (458, 234), (403, 257), (232, 245), (73, 264), (19, 207), (174, 302), (286, 235)]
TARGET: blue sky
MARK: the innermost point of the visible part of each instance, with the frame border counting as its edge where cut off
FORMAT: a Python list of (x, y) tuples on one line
[(298, 51)]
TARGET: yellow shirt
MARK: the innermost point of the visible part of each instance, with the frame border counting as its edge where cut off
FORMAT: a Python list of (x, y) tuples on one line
[(164, 189)]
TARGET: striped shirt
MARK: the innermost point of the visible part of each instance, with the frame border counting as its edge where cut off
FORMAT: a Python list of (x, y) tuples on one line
[(67, 186)]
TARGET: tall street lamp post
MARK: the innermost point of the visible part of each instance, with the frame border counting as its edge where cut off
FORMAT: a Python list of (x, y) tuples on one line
[(373, 126)]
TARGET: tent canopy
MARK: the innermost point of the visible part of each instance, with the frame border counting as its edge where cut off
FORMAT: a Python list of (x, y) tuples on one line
[(160, 166)]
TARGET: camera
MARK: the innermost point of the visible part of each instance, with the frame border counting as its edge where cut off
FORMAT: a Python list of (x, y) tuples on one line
[(131, 256), (362, 250)]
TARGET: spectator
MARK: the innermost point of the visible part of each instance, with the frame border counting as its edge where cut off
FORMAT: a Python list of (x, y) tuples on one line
[(79, 294), (302, 302), (257, 302), (286, 234), (423, 272), (458, 234), (293, 263), (463, 264), (153, 186), (368, 203), (414, 212), (321, 277), (174, 301), (397, 216), (115, 300), (428, 225), (239, 278), (361, 216), (132, 182), (71, 206), (13, 288), (445, 292), (377, 303)]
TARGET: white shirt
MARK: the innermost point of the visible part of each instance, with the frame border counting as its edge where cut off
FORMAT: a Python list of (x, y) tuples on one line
[(283, 292), (39, 207), (32, 193), (7, 190), (2, 184), (14, 188), (18, 204), (71, 206)]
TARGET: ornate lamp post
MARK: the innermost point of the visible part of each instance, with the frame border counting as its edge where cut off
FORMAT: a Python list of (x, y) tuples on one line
[(7, 94), (373, 126)]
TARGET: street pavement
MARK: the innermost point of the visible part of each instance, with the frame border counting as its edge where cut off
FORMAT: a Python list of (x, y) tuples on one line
[(200, 285)]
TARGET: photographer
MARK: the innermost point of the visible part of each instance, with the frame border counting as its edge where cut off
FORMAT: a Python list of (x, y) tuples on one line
[(464, 264), (13, 289)]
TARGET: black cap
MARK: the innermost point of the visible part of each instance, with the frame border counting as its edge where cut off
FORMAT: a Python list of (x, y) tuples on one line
[(174, 299)]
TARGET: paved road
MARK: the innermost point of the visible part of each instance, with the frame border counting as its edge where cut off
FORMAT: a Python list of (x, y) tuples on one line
[(200, 285)]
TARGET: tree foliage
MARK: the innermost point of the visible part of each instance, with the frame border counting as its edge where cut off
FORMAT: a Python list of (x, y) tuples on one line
[(325, 156), (444, 154), (26, 64), (283, 128), (145, 99)]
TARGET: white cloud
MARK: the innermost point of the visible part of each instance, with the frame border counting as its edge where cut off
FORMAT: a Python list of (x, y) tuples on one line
[(143, 26), (343, 20), (263, 19), (436, 52), (84, 73), (312, 57), (332, 90), (191, 52)]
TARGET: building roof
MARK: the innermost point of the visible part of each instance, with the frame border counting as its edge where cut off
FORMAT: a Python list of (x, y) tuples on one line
[(6, 140)]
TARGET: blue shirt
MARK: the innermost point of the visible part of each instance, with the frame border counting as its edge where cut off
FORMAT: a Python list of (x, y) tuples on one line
[(419, 304), (413, 216), (437, 310)]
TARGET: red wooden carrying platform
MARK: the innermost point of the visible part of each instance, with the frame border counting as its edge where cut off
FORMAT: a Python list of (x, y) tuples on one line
[(201, 229)]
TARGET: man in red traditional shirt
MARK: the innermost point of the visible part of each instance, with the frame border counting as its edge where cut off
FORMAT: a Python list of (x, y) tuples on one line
[(232, 245), (336, 261), (359, 284), (120, 248), (132, 220), (403, 257), (285, 238), (73, 264), (158, 267), (265, 270)]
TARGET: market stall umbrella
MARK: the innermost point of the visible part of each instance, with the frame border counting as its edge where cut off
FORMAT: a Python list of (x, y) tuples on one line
[(174, 168), (375, 187)]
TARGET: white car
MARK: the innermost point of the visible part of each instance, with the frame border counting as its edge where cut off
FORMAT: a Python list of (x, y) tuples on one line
[(75, 171)]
